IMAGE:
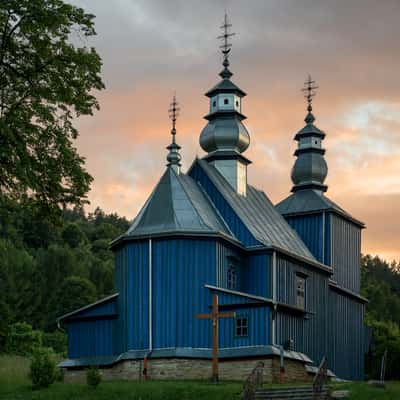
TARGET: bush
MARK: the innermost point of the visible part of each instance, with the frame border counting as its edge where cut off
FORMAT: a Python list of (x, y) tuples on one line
[(22, 339), (43, 368), (56, 340), (60, 374), (93, 377)]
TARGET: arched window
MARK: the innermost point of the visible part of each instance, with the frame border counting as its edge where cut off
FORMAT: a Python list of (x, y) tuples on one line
[(237, 103), (226, 101), (214, 103), (232, 278)]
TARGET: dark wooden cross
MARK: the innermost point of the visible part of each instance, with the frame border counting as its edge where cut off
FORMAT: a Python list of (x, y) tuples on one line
[(214, 316)]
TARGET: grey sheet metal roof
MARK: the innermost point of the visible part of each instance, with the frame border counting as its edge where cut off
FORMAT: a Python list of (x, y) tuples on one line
[(177, 204), (309, 200), (259, 215)]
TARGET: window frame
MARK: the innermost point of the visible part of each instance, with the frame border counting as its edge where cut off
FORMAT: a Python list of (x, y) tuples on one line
[(300, 293), (232, 277), (241, 317)]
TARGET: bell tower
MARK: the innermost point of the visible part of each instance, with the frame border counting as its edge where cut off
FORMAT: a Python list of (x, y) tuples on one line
[(225, 137)]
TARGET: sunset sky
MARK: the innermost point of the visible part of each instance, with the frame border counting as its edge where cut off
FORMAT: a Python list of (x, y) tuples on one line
[(152, 48)]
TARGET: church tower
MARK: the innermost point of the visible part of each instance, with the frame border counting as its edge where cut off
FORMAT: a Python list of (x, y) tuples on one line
[(332, 235), (225, 137)]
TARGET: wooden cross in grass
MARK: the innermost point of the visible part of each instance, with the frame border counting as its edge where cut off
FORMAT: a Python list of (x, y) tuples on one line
[(214, 316)]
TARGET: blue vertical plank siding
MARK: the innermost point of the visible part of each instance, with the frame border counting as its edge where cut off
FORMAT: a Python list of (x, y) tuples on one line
[(311, 230), (237, 227), (181, 268), (132, 283), (346, 336), (309, 334), (227, 255), (87, 338), (346, 253), (257, 279)]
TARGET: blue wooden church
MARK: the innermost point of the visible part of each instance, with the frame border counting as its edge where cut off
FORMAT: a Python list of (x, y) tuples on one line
[(290, 272)]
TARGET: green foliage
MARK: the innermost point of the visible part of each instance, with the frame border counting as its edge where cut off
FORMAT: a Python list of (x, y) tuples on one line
[(47, 268), (93, 377), (47, 77), (55, 340), (22, 339), (43, 368), (381, 285), (76, 292), (60, 374)]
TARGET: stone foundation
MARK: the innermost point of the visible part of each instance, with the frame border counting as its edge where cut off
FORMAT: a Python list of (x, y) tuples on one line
[(193, 369)]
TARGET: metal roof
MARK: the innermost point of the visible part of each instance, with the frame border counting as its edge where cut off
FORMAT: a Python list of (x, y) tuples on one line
[(89, 306), (225, 86), (177, 204), (259, 215), (309, 200)]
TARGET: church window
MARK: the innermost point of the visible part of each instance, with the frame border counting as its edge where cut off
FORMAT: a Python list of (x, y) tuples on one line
[(241, 326), (300, 291), (237, 103), (226, 101), (214, 103), (232, 278)]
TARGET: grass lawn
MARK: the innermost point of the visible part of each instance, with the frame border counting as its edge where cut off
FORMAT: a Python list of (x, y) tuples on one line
[(14, 385)]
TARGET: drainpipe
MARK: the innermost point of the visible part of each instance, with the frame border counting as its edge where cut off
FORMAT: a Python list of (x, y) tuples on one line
[(145, 360), (274, 282)]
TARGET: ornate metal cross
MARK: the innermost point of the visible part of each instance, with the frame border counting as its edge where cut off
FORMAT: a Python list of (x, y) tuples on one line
[(226, 46), (309, 90), (214, 316)]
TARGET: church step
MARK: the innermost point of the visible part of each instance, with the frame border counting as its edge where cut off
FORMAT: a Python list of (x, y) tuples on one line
[(290, 393)]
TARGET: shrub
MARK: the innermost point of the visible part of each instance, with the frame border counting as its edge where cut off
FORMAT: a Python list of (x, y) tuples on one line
[(93, 377), (22, 339), (56, 340), (43, 368), (60, 374)]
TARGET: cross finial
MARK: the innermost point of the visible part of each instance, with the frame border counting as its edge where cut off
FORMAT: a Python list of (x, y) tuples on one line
[(309, 90), (173, 115), (226, 46), (173, 156)]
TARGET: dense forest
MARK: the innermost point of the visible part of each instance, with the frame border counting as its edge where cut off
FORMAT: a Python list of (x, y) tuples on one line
[(50, 267)]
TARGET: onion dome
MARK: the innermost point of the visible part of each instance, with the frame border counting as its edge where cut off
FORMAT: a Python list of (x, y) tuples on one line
[(310, 169)]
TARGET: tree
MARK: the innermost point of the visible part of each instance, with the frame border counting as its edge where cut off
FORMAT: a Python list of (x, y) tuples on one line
[(75, 292), (46, 80)]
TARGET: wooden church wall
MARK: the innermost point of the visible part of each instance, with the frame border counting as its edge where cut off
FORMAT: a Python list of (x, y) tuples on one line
[(345, 337), (258, 275), (346, 253), (308, 332), (314, 229), (131, 281), (235, 224), (181, 268), (87, 338)]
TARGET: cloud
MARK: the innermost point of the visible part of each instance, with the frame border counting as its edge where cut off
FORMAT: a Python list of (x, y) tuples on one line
[(151, 48)]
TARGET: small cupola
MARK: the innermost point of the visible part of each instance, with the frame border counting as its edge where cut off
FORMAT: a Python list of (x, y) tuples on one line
[(310, 169)]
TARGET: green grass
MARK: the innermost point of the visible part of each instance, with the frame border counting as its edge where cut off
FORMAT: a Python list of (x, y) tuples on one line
[(15, 385)]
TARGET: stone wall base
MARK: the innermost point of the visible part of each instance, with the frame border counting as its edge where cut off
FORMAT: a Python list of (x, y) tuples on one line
[(193, 369)]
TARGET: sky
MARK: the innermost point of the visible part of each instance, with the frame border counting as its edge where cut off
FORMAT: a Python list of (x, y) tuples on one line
[(151, 48)]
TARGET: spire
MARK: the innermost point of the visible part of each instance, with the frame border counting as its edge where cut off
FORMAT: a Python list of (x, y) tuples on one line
[(173, 156), (310, 169), (225, 46)]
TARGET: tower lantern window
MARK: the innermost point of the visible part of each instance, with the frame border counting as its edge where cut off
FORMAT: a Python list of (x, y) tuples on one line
[(226, 101), (214, 103)]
